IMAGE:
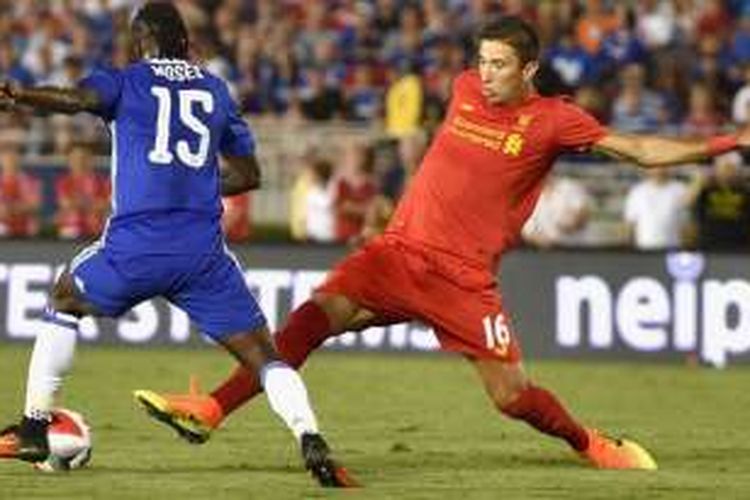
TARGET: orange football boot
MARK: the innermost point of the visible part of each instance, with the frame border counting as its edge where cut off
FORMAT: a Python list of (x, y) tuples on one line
[(605, 452), (194, 416), (9, 442)]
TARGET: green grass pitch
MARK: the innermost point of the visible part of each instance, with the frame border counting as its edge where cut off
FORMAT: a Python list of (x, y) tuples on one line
[(407, 426)]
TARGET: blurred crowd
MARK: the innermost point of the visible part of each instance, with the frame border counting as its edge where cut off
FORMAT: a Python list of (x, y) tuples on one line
[(667, 66)]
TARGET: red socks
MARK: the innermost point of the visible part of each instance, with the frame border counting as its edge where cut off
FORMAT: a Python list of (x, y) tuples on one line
[(543, 411), (306, 328)]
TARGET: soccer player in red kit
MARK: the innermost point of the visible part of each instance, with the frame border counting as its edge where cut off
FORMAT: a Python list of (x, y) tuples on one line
[(436, 261)]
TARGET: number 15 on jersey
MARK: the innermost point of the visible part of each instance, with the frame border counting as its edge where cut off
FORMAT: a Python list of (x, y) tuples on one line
[(163, 152)]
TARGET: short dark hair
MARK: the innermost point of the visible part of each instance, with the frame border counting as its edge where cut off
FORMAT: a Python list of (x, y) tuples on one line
[(162, 20), (515, 32)]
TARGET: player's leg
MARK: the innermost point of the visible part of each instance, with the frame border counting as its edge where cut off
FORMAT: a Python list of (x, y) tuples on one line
[(51, 358), (288, 398), (330, 311), (477, 326), (195, 415), (91, 286), (307, 327), (513, 394), (216, 298)]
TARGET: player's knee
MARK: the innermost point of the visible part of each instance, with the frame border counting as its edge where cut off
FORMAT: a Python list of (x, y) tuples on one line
[(64, 299), (253, 349), (339, 309)]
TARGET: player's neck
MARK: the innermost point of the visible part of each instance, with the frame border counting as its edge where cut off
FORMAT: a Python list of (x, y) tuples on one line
[(524, 95)]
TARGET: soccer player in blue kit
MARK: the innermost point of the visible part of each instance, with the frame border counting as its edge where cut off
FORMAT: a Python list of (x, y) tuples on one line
[(169, 120)]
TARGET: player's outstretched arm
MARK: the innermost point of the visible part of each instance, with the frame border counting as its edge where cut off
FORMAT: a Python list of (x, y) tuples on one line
[(51, 99), (239, 174), (651, 151)]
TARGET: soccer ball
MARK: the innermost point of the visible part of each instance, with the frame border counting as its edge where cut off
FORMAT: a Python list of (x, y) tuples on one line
[(69, 442)]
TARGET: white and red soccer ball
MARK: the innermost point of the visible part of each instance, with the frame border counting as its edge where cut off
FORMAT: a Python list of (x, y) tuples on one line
[(69, 442)]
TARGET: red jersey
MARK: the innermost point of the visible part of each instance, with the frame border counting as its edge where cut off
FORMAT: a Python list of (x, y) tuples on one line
[(20, 195), (83, 201), (349, 225), (236, 217), (483, 173)]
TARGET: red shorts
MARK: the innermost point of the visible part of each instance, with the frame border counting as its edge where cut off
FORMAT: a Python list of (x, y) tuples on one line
[(399, 279)]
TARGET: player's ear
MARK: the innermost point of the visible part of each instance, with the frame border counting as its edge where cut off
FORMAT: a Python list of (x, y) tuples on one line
[(529, 71)]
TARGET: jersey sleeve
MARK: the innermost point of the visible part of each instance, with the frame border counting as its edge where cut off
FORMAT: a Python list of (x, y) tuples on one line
[(577, 130), (107, 83), (236, 137)]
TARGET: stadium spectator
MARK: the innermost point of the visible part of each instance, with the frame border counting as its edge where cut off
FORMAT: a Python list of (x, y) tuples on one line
[(314, 28), (702, 118), (363, 99), (672, 87), (741, 100), (711, 66), (560, 216), (82, 196), (386, 16), (621, 47), (354, 191), (236, 219), (328, 60), (686, 16), (10, 68), (319, 200), (594, 26), (657, 23), (360, 39), (317, 100), (437, 21), (636, 108), (285, 80), (549, 21), (656, 211), (573, 63), (404, 103), (713, 19), (20, 195), (405, 47), (739, 42), (298, 197), (47, 48), (721, 205)]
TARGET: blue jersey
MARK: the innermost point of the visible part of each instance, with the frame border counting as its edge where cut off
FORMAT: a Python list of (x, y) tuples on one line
[(169, 121)]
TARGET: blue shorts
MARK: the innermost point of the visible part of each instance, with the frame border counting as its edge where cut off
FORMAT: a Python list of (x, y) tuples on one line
[(210, 288)]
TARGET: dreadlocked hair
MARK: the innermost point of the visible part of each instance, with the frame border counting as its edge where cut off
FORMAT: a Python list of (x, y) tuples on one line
[(164, 23)]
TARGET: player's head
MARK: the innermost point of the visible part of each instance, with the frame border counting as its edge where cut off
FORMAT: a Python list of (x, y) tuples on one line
[(158, 31), (79, 156), (727, 167), (507, 57)]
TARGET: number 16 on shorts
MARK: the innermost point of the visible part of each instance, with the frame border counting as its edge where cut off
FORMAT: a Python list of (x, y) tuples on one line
[(496, 334)]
